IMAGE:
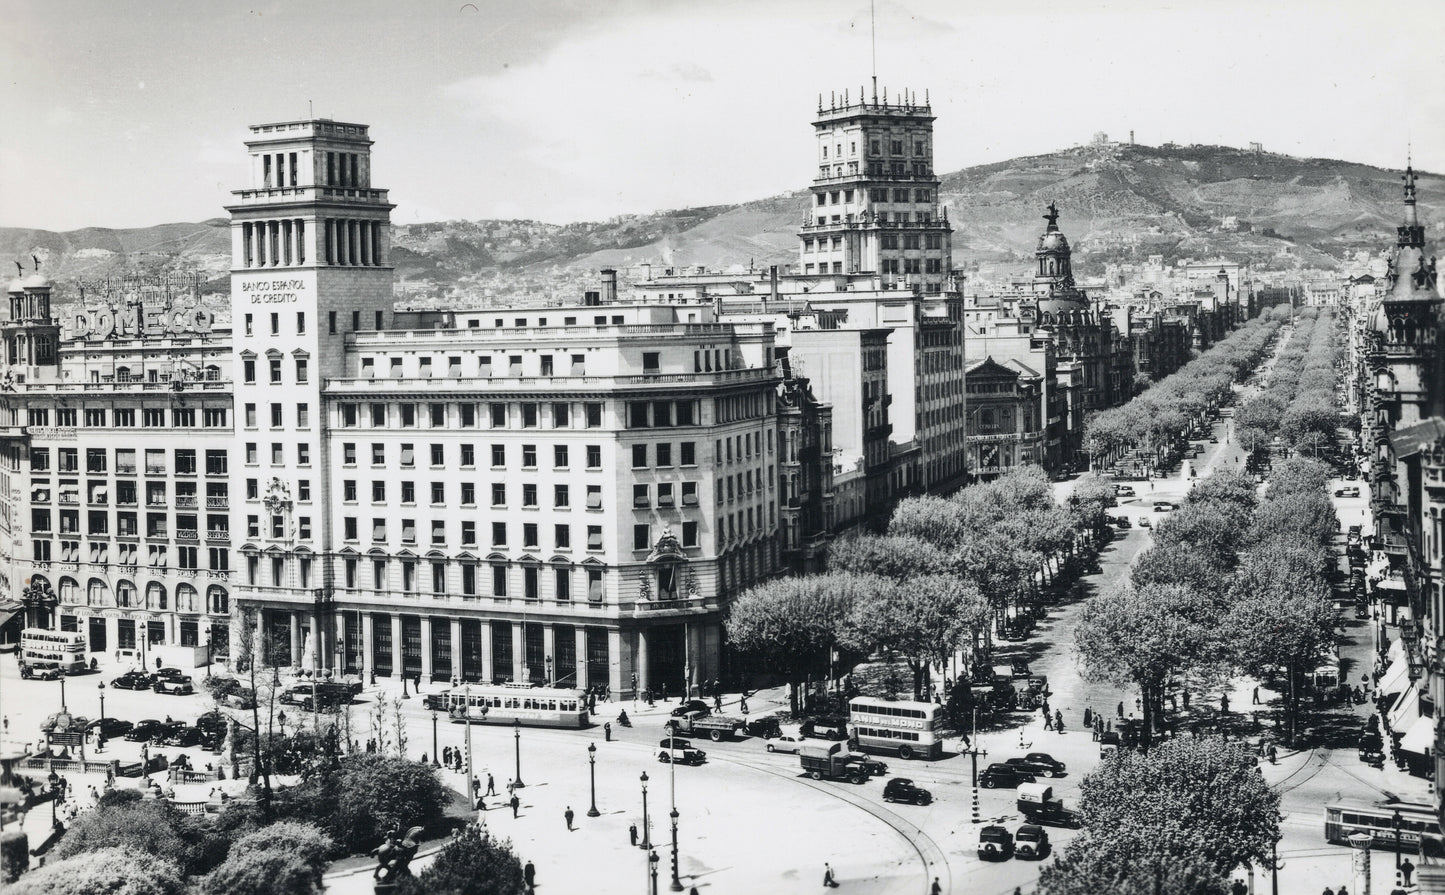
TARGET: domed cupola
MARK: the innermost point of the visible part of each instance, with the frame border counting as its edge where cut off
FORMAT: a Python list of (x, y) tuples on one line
[(1054, 274)]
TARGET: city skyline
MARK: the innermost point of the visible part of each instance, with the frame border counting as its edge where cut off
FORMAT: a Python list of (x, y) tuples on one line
[(564, 112)]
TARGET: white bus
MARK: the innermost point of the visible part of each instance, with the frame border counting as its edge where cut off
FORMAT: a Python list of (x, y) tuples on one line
[(905, 729), (533, 706), (65, 648)]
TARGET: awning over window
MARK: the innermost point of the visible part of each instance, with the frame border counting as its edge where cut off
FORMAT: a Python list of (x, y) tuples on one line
[(1397, 677), (1420, 738), (1407, 711)]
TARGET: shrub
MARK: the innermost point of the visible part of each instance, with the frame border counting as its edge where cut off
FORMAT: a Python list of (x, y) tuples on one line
[(371, 794), (14, 855), (273, 871), (471, 864), (106, 871)]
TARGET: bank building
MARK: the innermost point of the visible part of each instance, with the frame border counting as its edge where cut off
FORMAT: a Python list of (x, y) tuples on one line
[(549, 494)]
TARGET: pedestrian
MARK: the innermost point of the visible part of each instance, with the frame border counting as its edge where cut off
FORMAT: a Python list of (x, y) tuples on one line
[(491, 786), (1224, 704), (632, 832), (1088, 717), (1407, 869), (447, 756), (1048, 721), (476, 788), (516, 804), (1058, 721), (828, 881), (569, 815), (1256, 696), (1121, 709), (607, 731), (935, 889), (1344, 891), (717, 702), (7, 723), (529, 876), (1186, 700)]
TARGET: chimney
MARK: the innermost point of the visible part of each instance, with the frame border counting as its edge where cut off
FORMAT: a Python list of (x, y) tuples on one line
[(647, 271), (773, 282), (609, 286)]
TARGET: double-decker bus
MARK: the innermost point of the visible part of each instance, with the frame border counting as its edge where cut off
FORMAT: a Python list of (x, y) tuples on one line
[(1419, 825), (504, 704), (905, 729), (65, 648)]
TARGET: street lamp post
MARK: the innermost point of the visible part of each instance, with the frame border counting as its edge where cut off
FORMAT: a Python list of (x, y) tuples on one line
[(548, 663), (467, 720), (62, 692), (101, 687), (973, 751), (652, 866), (676, 883), (54, 781), (1395, 822), (208, 652), (646, 827), (517, 737), (592, 773), (434, 759)]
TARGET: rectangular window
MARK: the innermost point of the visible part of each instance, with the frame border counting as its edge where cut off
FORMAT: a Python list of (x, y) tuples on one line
[(277, 420), (594, 456), (689, 494), (469, 455), (438, 492), (559, 456), (530, 535), (499, 534), (499, 455), (499, 581), (562, 536), (640, 497), (664, 454), (378, 454), (302, 372), (561, 415), (529, 494), (469, 494), (408, 414), (594, 537), (275, 367), (348, 415), (689, 534), (529, 415), (593, 415), (378, 492), (688, 453), (378, 529), (641, 539), (594, 497), (469, 533), (529, 456), (438, 414), (499, 494), (438, 455), (498, 413), (639, 456), (561, 496), (349, 528), (438, 532), (348, 453)]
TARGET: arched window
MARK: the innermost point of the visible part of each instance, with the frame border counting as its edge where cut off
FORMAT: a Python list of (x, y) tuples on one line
[(69, 590), (156, 596), (124, 593), (218, 602), (185, 598)]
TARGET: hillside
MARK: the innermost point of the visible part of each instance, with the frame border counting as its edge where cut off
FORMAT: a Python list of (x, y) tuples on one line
[(1117, 203)]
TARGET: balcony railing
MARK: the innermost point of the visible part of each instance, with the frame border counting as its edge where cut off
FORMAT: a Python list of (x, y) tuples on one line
[(183, 502), (217, 503), (218, 535), (187, 534)]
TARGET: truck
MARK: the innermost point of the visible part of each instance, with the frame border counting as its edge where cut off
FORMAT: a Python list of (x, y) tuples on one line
[(715, 727), (1036, 802), (836, 763)]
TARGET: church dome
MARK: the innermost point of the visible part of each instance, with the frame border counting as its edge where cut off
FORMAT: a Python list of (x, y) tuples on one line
[(1053, 242), (16, 287)]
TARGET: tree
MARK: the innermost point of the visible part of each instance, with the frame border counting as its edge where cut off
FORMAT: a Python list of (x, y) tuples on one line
[(1089, 504), (306, 841), (1093, 864), (107, 871), (1281, 616), (937, 520), (895, 557), (370, 794), (14, 855), (1179, 565), (149, 826), (1141, 634), (1213, 531), (1186, 799), (1227, 488), (791, 626), (263, 872), (923, 619), (471, 864)]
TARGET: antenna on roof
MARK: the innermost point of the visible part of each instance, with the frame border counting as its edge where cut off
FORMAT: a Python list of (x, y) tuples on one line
[(873, 39), (310, 112)]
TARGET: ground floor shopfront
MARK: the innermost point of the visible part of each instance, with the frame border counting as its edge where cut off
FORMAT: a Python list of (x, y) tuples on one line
[(143, 635), (663, 650)]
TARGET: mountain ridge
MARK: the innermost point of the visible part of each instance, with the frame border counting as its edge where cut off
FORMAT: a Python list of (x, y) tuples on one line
[(1117, 202)]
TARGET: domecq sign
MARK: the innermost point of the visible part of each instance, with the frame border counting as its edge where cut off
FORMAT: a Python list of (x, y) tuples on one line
[(139, 322)]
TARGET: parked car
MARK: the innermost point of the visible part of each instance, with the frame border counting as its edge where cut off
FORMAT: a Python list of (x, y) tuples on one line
[(1144, 522), (676, 749), (1349, 491), (1031, 841), (1035, 768), (766, 726), (175, 686), (786, 742), (142, 731), (110, 728), (995, 843), (1123, 490), (1164, 506), (41, 671), (1003, 775), (1123, 522), (183, 736), (692, 705), (901, 789), (1046, 760), (824, 728), (133, 680), (213, 720), (164, 674)]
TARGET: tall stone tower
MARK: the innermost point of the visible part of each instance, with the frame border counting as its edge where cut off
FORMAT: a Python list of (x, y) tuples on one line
[(875, 197), (310, 244), (31, 333), (1409, 321)]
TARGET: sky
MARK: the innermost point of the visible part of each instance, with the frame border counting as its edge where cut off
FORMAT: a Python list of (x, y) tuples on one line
[(120, 113)]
